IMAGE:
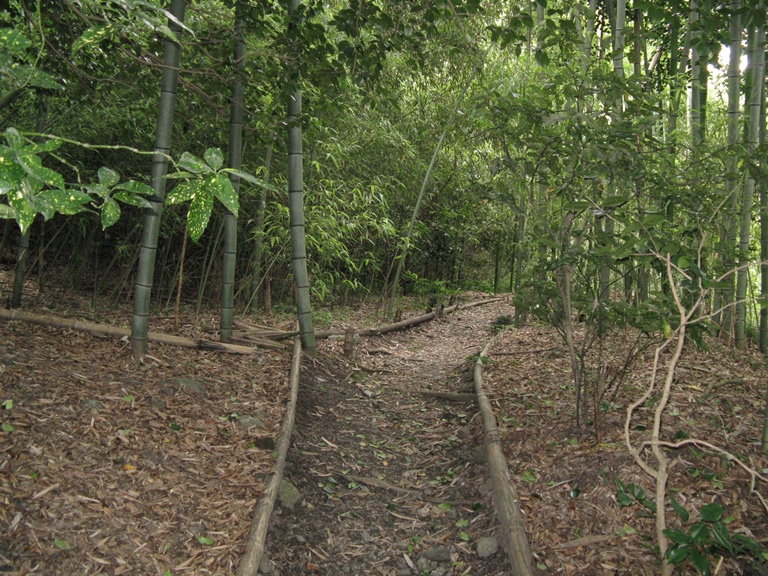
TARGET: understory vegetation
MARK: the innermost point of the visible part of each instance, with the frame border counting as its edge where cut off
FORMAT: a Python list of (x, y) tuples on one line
[(600, 160)]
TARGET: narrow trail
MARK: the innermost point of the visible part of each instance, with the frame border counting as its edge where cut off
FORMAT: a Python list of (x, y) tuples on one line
[(392, 480)]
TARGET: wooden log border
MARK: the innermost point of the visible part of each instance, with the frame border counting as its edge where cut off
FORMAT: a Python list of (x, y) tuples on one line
[(505, 500), (255, 543)]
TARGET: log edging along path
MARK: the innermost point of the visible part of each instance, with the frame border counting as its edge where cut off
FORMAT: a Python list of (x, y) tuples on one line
[(257, 536), (504, 497), (505, 500)]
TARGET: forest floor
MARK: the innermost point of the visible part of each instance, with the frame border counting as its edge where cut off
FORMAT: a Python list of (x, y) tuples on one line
[(112, 467)]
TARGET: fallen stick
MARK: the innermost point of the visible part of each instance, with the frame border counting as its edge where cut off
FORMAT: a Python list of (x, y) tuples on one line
[(119, 331), (257, 536), (454, 396)]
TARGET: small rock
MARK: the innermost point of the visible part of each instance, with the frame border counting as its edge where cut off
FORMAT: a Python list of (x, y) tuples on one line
[(437, 554), (487, 546), (289, 495), (439, 571), (191, 386), (250, 422), (92, 404), (266, 566), (157, 403), (300, 539)]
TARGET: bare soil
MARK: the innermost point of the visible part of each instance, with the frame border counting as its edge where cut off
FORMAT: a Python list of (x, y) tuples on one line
[(111, 467)]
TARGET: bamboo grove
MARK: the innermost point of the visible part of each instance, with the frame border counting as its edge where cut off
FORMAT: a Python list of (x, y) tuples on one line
[(250, 154)]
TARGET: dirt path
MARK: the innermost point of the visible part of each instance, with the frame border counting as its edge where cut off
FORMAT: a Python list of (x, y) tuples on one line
[(392, 481)]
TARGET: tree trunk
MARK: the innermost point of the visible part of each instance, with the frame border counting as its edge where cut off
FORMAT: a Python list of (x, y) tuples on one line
[(757, 60), (22, 254), (728, 236), (235, 154), (146, 269), (763, 186), (296, 207), (258, 235)]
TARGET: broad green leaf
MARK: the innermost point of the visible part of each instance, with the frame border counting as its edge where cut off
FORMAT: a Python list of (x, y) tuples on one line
[(7, 212), (8, 404), (444, 506), (93, 35), (637, 492), (721, 536), (711, 512), (34, 167), (39, 79), (464, 536), (699, 532), (461, 523), (132, 199), (14, 139), (183, 192), (136, 187), (192, 163), (23, 208), (225, 192), (68, 202), (700, 562), (13, 40), (205, 541), (40, 147), (7, 427), (108, 177), (677, 536), (214, 158), (110, 213), (677, 554), (199, 214), (680, 509)]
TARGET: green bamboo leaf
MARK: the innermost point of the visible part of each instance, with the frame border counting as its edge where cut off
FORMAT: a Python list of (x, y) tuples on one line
[(711, 512), (199, 214), (110, 213), (614, 201), (214, 158), (225, 192), (108, 177), (252, 179), (653, 220), (576, 206), (193, 164)]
